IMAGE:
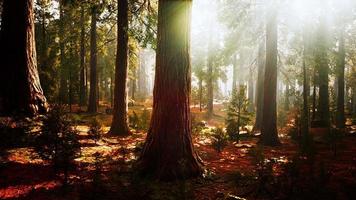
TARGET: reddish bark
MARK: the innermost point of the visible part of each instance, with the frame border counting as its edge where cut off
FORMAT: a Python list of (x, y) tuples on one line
[(269, 134), (119, 124), (93, 96), (21, 90), (168, 152)]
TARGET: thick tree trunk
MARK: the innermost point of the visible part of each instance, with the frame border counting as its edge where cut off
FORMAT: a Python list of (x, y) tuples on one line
[(168, 152), (93, 95), (260, 88), (119, 124), (20, 91), (340, 115), (269, 134), (323, 73), (82, 87)]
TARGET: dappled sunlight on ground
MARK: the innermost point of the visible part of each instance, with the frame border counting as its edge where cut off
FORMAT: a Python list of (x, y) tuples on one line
[(24, 174)]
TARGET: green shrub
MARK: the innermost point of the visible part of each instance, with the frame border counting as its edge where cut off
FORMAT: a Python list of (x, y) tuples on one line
[(237, 114), (142, 122), (58, 141), (219, 139), (95, 130), (134, 120)]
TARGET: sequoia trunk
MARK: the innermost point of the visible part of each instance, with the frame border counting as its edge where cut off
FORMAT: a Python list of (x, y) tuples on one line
[(20, 90), (119, 124), (93, 95), (269, 134), (168, 152)]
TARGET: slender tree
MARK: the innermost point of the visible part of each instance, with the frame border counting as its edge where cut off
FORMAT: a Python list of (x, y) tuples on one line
[(168, 152), (20, 90), (119, 124), (210, 79), (269, 134), (93, 96)]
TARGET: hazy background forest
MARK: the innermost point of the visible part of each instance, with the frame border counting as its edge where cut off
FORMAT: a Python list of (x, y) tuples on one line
[(177, 99)]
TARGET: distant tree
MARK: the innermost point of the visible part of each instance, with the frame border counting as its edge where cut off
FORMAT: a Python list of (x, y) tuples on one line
[(168, 152), (210, 78), (322, 68), (83, 84), (260, 87), (93, 95), (20, 88), (340, 73)]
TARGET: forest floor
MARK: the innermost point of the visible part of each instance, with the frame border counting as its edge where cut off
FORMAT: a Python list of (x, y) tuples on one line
[(105, 170)]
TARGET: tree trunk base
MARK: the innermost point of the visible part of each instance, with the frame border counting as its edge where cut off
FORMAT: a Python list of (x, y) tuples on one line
[(169, 162), (119, 131)]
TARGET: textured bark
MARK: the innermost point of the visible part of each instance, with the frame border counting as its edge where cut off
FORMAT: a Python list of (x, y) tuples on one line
[(82, 87), (119, 124), (260, 88), (20, 91), (168, 152), (269, 134), (323, 77), (340, 115), (93, 95)]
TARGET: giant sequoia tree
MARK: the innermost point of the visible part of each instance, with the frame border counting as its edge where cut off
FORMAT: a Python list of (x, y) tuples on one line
[(322, 67), (168, 152), (119, 124), (20, 90), (269, 124)]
